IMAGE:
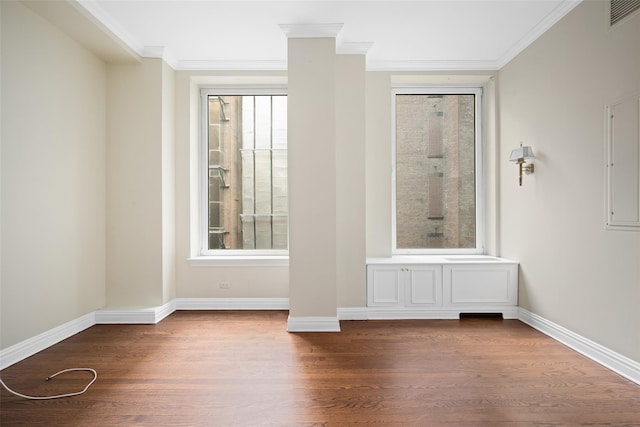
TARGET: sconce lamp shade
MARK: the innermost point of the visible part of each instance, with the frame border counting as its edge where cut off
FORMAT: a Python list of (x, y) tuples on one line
[(520, 156), (521, 153)]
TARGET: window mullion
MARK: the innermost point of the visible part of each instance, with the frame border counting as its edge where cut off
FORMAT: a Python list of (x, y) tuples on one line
[(258, 161)]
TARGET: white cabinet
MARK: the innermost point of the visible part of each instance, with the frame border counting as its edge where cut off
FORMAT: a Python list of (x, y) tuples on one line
[(422, 286), (441, 287), (480, 284), (384, 286), (404, 285)]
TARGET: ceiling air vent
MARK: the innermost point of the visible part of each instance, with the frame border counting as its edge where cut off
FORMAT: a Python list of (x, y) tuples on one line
[(620, 9)]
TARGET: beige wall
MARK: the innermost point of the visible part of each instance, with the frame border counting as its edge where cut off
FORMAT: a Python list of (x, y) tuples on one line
[(378, 164), (350, 180), (134, 184), (312, 177), (53, 177), (203, 282), (140, 191), (168, 185), (552, 97)]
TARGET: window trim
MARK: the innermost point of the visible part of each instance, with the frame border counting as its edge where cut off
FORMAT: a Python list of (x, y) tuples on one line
[(480, 193), (217, 256)]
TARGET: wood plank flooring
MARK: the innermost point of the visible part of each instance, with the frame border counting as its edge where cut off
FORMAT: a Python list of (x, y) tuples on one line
[(241, 368)]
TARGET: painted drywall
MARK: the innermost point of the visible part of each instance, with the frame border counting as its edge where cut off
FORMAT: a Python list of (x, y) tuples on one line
[(572, 271), (378, 164), (135, 184), (204, 281), (350, 180), (53, 177), (312, 177), (168, 185)]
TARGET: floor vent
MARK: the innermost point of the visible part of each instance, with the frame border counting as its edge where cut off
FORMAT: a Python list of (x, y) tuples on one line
[(620, 9), (480, 316)]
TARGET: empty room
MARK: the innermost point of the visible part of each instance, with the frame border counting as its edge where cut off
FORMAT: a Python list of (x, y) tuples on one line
[(288, 213)]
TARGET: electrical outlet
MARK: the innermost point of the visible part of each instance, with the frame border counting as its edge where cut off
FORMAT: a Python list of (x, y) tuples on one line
[(225, 285)]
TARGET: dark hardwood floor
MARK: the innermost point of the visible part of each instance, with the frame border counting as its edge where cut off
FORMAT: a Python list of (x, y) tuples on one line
[(232, 368)]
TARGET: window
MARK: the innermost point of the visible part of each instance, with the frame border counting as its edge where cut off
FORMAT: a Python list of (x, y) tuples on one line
[(437, 170), (244, 200)]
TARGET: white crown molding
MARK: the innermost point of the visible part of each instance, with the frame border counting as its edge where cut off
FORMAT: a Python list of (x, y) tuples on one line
[(160, 52), (33, 345), (212, 65), (431, 66), (313, 324), (616, 362), (354, 48), (153, 51), (94, 9), (232, 303), (549, 21), (349, 50), (311, 31)]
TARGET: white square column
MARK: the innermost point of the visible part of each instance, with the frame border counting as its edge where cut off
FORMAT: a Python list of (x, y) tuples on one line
[(312, 178)]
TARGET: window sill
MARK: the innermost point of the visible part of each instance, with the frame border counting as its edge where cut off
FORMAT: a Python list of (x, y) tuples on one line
[(239, 261)]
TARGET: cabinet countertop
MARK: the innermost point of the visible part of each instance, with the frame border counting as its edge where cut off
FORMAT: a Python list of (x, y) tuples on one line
[(439, 259)]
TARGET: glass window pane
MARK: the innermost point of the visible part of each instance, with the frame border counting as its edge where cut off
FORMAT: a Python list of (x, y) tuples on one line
[(247, 194), (248, 128), (280, 232), (435, 171), (279, 122), (279, 171), (263, 121), (262, 170)]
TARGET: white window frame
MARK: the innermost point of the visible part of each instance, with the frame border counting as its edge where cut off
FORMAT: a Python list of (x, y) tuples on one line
[(229, 254), (479, 166)]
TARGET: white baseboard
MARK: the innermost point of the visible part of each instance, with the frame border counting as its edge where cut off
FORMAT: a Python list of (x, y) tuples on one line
[(353, 313), (31, 346), (388, 313), (618, 363), (146, 315), (406, 313), (313, 324), (232, 303)]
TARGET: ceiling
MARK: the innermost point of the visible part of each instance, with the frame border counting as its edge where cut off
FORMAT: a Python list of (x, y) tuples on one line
[(243, 34)]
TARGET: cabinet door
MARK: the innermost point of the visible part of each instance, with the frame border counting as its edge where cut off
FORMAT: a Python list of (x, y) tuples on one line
[(481, 284), (383, 286), (424, 285)]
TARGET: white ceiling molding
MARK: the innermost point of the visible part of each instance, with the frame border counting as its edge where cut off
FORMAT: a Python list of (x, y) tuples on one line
[(311, 31), (231, 65), (81, 25), (109, 24), (549, 21), (160, 52), (371, 65), (254, 80), (354, 48), (135, 31), (444, 79), (153, 51), (431, 66)]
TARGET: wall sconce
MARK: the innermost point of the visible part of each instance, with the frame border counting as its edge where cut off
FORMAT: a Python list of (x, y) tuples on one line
[(520, 156)]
